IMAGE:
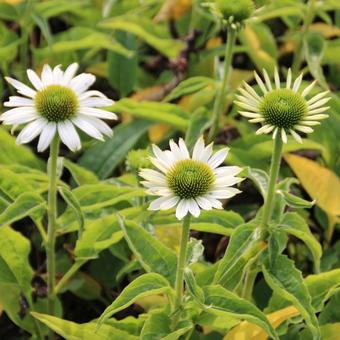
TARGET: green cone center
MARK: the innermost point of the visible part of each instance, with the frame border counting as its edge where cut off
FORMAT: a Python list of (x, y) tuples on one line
[(56, 103), (189, 178), (283, 108)]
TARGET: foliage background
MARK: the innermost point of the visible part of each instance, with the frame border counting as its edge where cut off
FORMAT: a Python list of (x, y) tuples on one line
[(160, 61)]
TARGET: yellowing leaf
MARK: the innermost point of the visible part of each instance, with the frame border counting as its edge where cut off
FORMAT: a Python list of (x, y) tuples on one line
[(173, 9), (321, 184), (246, 330), (158, 132), (326, 30)]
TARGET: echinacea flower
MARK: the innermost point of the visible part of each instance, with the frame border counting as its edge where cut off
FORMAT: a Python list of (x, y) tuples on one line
[(189, 182), (282, 109), (59, 102)]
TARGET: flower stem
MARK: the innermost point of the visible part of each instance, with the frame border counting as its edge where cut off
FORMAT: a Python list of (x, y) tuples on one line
[(309, 17), (220, 97), (273, 174), (180, 268), (52, 217)]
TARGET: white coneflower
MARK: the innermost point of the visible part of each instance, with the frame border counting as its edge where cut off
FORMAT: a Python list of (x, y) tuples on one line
[(59, 102), (282, 109), (191, 183)]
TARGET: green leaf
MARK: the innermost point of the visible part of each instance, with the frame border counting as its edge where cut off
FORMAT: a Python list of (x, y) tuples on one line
[(80, 175), (144, 29), (152, 254), (74, 204), (75, 331), (98, 235), (295, 201), (260, 179), (144, 285), (159, 112), (16, 274), (286, 281), (189, 86), (243, 246), (220, 301), (158, 327), (199, 122), (11, 153), (103, 158), (24, 205), (193, 288), (295, 225), (122, 71)]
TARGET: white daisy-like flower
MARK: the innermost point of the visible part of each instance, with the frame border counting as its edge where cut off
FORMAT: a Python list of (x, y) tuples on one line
[(58, 103), (191, 182), (282, 109)]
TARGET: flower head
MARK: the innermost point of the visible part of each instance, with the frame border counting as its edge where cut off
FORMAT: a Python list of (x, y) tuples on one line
[(235, 11), (189, 182), (59, 102), (282, 109)]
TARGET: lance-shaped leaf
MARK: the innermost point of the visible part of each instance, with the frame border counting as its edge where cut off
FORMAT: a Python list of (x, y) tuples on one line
[(80, 175), (144, 285), (71, 330), (158, 327), (152, 254), (294, 224), (220, 301), (74, 204), (259, 178), (295, 201), (193, 288), (24, 205), (287, 282), (243, 246)]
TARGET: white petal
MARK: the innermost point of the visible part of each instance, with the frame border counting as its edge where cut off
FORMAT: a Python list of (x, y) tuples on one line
[(246, 106), (193, 208), (289, 78), (214, 202), (218, 158), (183, 148), (264, 129), (34, 79), (82, 82), (317, 97), (18, 101), (251, 90), (256, 120), (161, 156), (30, 131), (69, 73), (275, 132), (319, 103), (310, 123), (57, 75), (92, 93), (169, 203), (277, 78), (96, 102), (206, 154), (224, 193), (267, 80), (153, 176), (320, 110), (19, 115), (69, 135), (93, 112), (305, 129), (317, 116), (284, 136), (182, 208), (227, 181), (156, 204), (46, 136), (297, 83), (260, 82), (204, 203), (198, 149), (246, 100), (249, 95), (249, 114), (47, 75), (176, 151), (159, 164), (227, 171), (87, 128), (98, 124), (296, 136), (21, 88), (308, 89)]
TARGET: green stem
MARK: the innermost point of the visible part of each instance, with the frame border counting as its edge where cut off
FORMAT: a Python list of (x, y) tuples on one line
[(52, 217), (74, 268), (273, 174), (220, 97), (299, 48), (180, 268), (247, 291)]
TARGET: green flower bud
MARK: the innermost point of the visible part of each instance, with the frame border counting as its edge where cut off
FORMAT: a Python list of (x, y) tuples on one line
[(235, 11), (137, 159)]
